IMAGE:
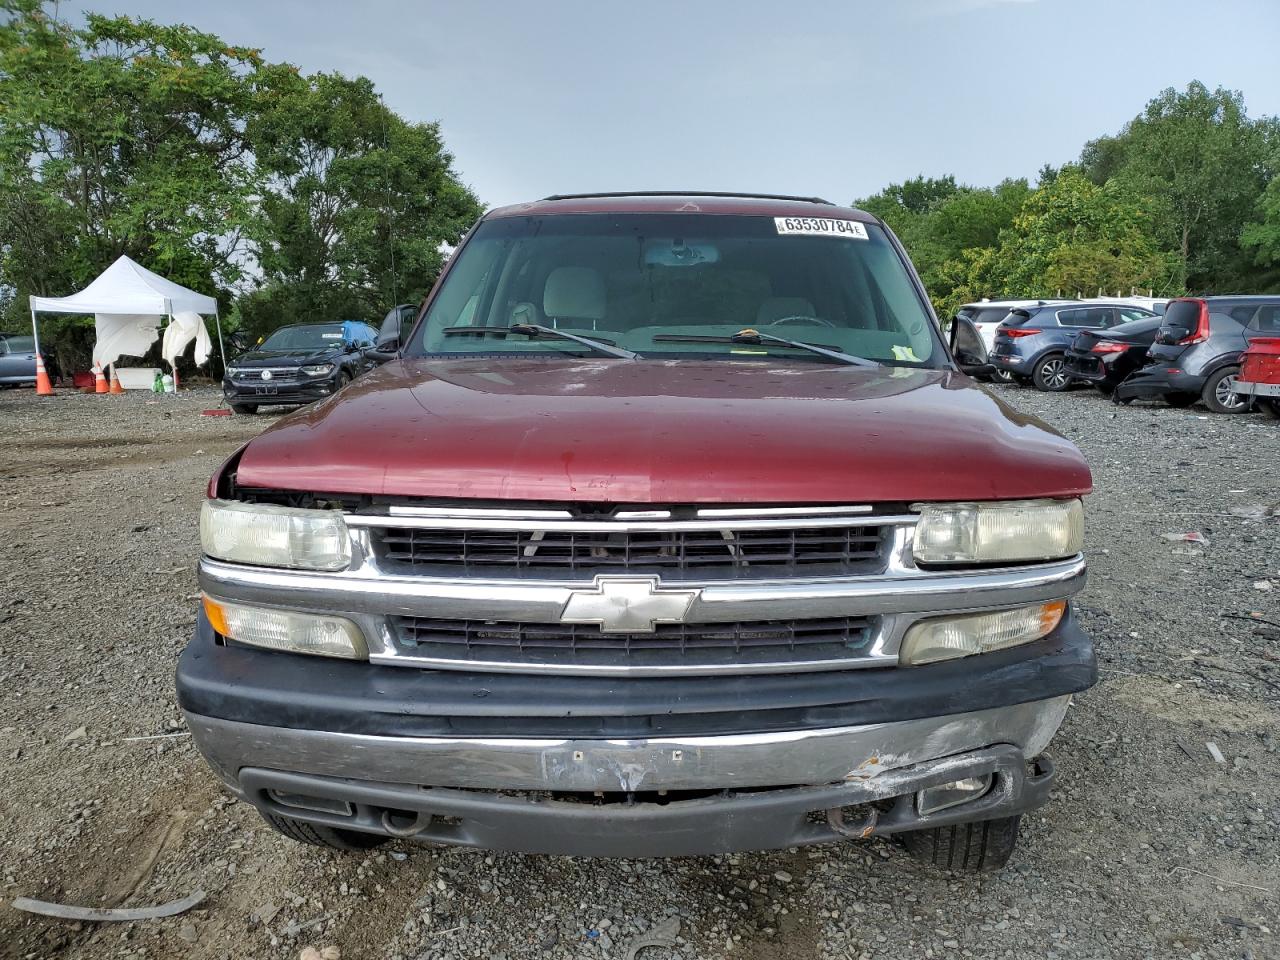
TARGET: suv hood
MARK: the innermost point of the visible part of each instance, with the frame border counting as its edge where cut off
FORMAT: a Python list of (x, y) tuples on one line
[(286, 358), (678, 431)]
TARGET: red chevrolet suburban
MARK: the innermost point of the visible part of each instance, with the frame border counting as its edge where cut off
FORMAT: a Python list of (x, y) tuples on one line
[(672, 525)]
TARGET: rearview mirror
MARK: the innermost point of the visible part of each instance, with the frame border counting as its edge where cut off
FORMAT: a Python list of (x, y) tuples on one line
[(968, 349)]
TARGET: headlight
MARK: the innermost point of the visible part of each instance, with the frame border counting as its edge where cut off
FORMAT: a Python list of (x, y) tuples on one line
[(945, 638), (272, 536), (998, 531), (319, 370), (284, 630), (235, 371)]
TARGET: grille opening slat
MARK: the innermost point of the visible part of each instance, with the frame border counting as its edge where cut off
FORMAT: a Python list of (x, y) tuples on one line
[(853, 549), (670, 645)]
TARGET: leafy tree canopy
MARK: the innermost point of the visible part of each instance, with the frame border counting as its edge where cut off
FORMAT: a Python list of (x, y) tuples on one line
[(211, 166)]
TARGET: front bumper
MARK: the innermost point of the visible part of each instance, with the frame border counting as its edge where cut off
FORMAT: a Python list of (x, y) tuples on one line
[(728, 821), (285, 393), (635, 767)]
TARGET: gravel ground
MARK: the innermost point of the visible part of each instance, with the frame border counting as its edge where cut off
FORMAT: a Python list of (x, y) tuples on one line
[(1150, 848)]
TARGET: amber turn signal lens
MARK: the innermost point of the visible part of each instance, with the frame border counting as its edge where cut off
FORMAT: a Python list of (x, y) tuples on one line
[(945, 638), (217, 618)]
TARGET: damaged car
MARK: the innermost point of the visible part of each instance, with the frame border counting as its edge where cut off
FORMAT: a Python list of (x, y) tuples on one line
[(671, 525)]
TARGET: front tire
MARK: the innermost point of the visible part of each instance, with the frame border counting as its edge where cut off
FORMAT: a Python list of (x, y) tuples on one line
[(1218, 396), (1050, 374), (321, 836), (1270, 407), (1002, 376), (984, 845)]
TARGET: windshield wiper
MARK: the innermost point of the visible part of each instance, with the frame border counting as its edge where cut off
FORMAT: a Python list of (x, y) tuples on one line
[(755, 336), (535, 330)]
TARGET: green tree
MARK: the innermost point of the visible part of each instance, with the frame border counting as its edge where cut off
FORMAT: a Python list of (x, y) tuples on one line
[(124, 137), (938, 221), (1073, 236), (1201, 164), (1261, 237), (355, 205)]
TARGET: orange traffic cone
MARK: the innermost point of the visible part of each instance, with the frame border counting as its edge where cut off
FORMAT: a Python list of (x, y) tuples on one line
[(99, 381), (115, 381), (43, 387)]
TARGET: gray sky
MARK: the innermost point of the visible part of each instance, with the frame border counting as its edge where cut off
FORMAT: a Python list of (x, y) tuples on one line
[(829, 97)]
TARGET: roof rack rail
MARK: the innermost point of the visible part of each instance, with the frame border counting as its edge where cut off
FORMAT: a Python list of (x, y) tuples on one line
[(686, 193)]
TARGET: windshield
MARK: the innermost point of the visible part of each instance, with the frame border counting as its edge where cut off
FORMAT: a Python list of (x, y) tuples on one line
[(679, 285), (319, 336)]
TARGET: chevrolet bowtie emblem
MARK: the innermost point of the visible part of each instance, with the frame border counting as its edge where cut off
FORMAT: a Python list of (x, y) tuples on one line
[(627, 605)]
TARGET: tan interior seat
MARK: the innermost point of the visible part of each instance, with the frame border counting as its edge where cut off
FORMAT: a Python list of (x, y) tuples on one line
[(574, 297)]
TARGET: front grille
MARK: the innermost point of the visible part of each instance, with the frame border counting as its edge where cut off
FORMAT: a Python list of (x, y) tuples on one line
[(851, 549), (677, 645), (278, 375)]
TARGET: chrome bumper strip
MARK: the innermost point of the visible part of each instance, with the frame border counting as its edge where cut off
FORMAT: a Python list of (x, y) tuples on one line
[(735, 761), (381, 594)]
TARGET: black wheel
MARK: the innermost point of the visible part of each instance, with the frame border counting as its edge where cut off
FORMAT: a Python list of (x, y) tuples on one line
[(983, 845), (320, 836), (1180, 400), (244, 409), (1106, 389), (343, 379), (1218, 394), (1050, 374), (1270, 407), (1002, 376)]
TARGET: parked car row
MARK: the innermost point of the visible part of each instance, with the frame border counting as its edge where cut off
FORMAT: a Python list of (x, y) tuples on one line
[(1182, 351)]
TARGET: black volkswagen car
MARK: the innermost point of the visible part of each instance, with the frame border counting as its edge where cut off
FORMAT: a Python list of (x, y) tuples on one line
[(298, 364), (1105, 357)]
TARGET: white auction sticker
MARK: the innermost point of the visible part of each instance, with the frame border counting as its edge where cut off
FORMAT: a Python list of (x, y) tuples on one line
[(820, 227)]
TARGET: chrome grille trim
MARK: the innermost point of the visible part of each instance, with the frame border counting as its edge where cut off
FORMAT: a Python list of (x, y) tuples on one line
[(890, 591), (455, 522), (278, 374)]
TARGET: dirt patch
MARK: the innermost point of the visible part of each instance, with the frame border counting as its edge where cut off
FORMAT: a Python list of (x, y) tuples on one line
[(1185, 705)]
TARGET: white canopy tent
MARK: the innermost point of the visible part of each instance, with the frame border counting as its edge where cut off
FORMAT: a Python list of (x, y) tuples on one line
[(128, 302)]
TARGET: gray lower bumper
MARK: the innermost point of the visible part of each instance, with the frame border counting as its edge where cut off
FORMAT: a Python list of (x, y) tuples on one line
[(721, 823), (693, 763), (766, 791)]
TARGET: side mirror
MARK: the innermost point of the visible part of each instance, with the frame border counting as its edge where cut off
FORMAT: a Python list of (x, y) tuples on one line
[(389, 332), (968, 349)]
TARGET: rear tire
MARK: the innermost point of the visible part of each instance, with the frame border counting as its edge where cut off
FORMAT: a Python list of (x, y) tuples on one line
[(244, 409), (1002, 376), (984, 845), (1270, 407), (320, 836), (1050, 374), (1217, 393)]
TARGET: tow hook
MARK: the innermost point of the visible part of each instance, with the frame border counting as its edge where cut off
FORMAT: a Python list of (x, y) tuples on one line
[(860, 831), (400, 829)]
